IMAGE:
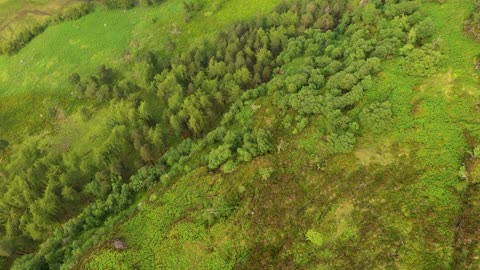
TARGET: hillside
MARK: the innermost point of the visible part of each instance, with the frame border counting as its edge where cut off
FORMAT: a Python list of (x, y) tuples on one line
[(241, 134)]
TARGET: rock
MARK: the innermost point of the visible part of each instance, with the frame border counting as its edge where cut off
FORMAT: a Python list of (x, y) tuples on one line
[(119, 245)]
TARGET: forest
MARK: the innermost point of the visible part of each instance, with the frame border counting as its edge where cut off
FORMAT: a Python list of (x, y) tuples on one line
[(287, 134)]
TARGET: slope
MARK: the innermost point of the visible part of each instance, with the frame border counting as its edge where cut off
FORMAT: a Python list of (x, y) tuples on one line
[(395, 201), (359, 153)]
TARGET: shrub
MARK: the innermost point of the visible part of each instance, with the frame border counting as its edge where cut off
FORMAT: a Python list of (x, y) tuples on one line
[(340, 143), (265, 173), (420, 62), (314, 237), (376, 117), (219, 156), (476, 152), (85, 113)]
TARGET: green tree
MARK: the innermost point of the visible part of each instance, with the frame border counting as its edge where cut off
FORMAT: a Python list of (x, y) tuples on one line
[(219, 156), (424, 30)]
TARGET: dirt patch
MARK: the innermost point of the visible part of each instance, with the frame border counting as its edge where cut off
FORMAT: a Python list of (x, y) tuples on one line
[(342, 217), (443, 83), (417, 108), (60, 114), (368, 156)]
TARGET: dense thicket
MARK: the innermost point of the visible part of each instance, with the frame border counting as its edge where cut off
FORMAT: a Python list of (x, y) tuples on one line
[(339, 71)]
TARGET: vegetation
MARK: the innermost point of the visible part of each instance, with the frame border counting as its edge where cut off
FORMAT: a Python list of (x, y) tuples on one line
[(25, 28), (318, 134)]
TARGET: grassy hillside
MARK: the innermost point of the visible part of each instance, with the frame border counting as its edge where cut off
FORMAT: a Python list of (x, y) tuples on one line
[(396, 201), (244, 135)]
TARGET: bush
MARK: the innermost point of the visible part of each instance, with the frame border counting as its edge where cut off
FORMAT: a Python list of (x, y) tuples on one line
[(340, 143), (74, 12), (219, 156), (255, 145), (85, 113), (265, 173), (314, 237), (420, 62), (376, 117)]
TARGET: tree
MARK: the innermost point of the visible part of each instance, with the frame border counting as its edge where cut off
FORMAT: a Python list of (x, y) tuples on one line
[(243, 77), (143, 72), (147, 153), (219, 156), (240, 60), (325, 22), (264, 139), (424, 30), (177, 123)]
